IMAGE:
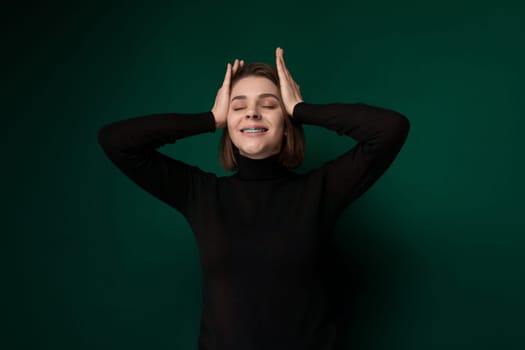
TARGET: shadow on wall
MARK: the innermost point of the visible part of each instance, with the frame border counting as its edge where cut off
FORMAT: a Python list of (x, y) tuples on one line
[(363, 280)]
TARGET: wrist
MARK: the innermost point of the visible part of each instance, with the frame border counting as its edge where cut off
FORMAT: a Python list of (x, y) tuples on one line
[(294, 105), (218, 122)]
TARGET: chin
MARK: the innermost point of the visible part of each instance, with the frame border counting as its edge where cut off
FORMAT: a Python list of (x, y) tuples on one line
[(254, 155), (257, 149), (257, 154)]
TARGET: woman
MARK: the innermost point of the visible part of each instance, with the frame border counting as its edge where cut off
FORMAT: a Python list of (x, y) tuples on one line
[(260, 232)]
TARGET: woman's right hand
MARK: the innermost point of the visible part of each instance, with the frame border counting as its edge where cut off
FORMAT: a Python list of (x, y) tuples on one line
[(222, 100)]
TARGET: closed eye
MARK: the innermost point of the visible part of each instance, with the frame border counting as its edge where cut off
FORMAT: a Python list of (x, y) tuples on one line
[(269, 107)]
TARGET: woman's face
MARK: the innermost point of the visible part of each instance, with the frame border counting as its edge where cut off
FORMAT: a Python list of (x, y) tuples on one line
[(256, 117)]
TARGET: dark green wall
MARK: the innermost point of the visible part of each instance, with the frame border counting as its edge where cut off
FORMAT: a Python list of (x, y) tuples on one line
[(431, 256)]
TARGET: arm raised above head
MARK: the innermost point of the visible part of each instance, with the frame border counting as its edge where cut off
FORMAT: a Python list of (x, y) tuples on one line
[(380, 133), (131, 145)]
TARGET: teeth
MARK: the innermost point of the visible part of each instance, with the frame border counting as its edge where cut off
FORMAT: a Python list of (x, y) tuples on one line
[(253, 130)]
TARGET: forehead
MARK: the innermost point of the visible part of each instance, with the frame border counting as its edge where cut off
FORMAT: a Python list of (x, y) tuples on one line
[(254, 86)]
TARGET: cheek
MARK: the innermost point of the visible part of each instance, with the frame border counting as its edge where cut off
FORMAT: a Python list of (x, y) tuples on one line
[(230, 122), (281, 122), (231, 131)]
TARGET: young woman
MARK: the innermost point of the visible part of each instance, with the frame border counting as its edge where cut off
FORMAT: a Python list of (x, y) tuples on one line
[(261, 231)]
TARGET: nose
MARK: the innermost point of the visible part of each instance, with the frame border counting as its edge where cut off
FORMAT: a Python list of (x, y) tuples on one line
[(253, 115)]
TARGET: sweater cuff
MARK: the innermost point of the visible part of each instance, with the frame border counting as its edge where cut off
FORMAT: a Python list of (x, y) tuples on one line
[(208, 122), (300, 112)]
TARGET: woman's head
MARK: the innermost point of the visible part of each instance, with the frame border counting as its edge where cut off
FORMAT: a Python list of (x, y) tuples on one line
[(257, 123)]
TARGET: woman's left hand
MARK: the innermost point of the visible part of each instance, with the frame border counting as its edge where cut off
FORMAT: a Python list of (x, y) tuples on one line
[(290, 91)]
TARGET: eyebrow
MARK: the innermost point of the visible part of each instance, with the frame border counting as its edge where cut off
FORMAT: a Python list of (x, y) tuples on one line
[(260, 96)]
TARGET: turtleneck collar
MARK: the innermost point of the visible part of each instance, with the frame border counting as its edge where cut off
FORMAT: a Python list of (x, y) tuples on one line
[(259, 169)]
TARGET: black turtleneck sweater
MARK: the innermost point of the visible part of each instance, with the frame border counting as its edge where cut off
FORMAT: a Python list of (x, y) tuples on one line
[(260, 232)]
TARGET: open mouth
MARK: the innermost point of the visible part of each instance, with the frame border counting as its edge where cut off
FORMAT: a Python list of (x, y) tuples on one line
[(253, 130)]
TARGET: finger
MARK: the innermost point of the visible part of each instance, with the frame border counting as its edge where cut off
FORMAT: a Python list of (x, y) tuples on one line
[(227, 76), (240, 63), (283, 64), (235, 66), (278, 62), (278, 58), (284, 71), (239, 66)]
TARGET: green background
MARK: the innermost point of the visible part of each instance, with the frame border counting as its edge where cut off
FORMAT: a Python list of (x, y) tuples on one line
[(431, 257)]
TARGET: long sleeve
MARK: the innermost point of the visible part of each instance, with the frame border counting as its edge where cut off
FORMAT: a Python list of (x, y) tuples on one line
[(132, 144), (380, 133)]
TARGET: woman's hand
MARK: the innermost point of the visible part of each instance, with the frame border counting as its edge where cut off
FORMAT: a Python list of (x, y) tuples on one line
[(290, 91), (222, 100)]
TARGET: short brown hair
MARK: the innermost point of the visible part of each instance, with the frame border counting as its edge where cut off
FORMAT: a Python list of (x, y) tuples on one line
[(293, 146)]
